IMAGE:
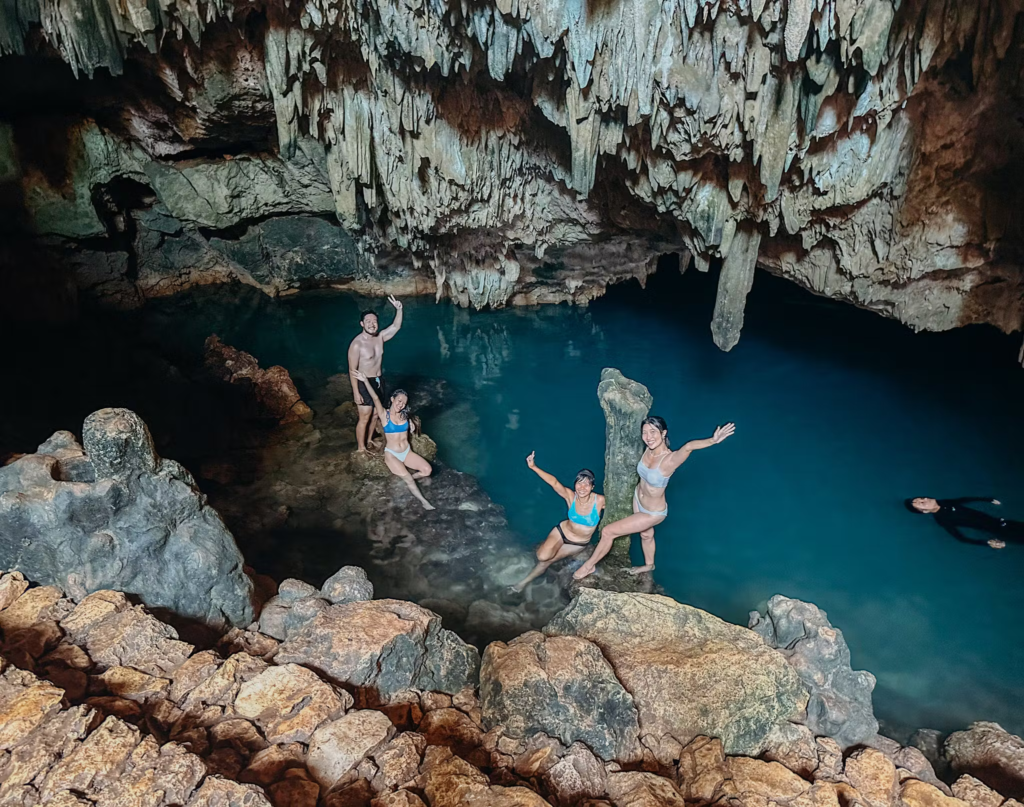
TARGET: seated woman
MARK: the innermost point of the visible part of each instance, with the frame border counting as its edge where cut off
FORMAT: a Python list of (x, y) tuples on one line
[(573, 534), (656, 466), (398, 454)]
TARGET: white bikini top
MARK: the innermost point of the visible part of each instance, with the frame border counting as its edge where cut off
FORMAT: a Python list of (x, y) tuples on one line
[(653, 476)]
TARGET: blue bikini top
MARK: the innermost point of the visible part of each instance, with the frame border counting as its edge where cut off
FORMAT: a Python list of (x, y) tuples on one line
[(392, 428), (589, 520), (653, 476)]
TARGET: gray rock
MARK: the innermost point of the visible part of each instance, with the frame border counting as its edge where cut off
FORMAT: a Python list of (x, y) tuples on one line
[(913, 759), (840, 703), (929, 742), (117, 516), (280, 618), (348, 584), (988, 752), (561, 686), (625, 404), (689, 672), (291, 590)]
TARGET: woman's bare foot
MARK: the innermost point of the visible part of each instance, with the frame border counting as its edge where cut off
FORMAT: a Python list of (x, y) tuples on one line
[(517, 588), (427, 505), (641, 569), (583, 571)]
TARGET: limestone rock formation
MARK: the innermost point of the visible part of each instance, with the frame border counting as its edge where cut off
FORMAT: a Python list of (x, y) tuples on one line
[(989, 753), (113, 514), (561, 686), (688, 672), (490, 153), (840, 702)]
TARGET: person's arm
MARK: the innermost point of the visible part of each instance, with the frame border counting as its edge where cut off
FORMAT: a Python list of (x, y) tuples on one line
[(395, 326), (679, 456), (353, 368), (557, 486), (381, 411), (969, 499), (953, 530)]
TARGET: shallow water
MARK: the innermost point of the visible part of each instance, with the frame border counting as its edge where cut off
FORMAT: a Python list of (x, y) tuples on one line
[(840, 415)]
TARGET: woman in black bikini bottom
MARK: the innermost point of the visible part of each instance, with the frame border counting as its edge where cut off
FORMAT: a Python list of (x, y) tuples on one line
[(572, 535)]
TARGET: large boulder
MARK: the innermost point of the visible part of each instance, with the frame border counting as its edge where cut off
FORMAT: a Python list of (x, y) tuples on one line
[(387, 646), (562, 686), (114, 515), (988, 752), (689, 672), (840, 697)]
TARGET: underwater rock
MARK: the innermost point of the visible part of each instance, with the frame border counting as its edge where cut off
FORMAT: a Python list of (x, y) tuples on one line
[(114, 515), (347, 643), (988, 752), (561, 686), (840, 702), (689, 672), (625, 403)]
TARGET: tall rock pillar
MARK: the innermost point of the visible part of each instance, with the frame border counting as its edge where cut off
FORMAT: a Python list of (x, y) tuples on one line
[(625, 403)]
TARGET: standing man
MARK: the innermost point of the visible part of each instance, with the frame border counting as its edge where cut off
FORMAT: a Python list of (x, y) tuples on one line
[(365, 354)]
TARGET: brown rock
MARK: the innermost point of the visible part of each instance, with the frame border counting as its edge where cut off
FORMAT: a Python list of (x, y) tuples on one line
[(133, 638), (73, 682), (133, 685), (217, 792), (92, 610), (289, 702), (239, 734), (40, 604), (400, 798), (225, 762), (577, 776), (12, 586), (56, 737), (269, 765), (25, 702), (793, 746), (988, 752), (221, 688), (874, 776), (94, 764), (911, 761), (398, 762), (294, 793), (702, 770), (195, 739), (252, 642), (637, 789), (339, 745), (453, 782), (976, 793), (830, 761), (915, 793), (455, 729), (156, 776), (192, 672), (113, 706), (754, 782), (70, 654), (537, 756), (353, 794), (429, 701), (32, 642)]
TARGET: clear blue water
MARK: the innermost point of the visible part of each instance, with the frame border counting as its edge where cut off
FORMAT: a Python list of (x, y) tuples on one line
[(840, 415)]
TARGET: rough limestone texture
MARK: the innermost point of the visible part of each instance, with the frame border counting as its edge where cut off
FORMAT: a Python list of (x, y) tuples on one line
[(113, 514), (625, 404), (840, 703), (387, 646), (526, 151), (561, 686), (689, 672), (988, 752)]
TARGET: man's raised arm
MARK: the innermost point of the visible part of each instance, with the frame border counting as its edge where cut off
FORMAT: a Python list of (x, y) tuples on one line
[(395, 326)]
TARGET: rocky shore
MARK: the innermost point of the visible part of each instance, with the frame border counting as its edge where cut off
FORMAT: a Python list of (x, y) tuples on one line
[(358, 702)]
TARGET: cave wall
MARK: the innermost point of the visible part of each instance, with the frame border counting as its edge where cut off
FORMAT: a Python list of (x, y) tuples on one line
[(521, 151)]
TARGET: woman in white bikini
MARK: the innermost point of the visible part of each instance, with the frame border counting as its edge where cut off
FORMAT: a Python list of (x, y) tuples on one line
[(649, 506), (398, 454), (573, 534)]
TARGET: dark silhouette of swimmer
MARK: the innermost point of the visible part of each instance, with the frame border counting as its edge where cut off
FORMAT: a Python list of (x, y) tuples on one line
[(953, 515)]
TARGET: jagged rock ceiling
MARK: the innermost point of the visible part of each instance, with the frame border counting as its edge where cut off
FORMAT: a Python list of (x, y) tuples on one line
[(525, 151)]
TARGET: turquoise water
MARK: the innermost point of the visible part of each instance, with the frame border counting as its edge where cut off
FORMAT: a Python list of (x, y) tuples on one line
[(840, 415)]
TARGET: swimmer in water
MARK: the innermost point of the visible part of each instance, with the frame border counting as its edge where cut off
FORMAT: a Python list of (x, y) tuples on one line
[(572, 535), (398, 454), (656, 466), (954, 515)]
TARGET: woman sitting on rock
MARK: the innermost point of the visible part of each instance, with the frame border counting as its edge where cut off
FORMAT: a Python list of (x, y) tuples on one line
[(570, 536), (398, 454), (656, 466)]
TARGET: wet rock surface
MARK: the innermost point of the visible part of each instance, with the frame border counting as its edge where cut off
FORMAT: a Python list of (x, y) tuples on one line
[(989, 753), (111, 513)]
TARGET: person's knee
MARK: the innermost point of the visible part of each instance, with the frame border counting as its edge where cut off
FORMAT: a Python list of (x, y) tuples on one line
[(427, 471), (608, 534), (647, 535), (546, 555)]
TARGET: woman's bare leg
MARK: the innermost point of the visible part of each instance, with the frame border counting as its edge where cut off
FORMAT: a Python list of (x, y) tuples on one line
[(638, 522), (647, 544), (398, 469), (553, 549), (420, 467)]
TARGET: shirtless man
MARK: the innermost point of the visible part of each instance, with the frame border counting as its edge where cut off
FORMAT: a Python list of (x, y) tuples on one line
[(365, 355)]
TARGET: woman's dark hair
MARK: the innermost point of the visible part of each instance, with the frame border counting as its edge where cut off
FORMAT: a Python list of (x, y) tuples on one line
[(366, 314), (405, 410), (587, 474), (658, 423)]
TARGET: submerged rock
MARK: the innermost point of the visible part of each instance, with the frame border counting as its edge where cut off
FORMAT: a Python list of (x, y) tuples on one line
[(840, 698), (689, 673), (115, 515)]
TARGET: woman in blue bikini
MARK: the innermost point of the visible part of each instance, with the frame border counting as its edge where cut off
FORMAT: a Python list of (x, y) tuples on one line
[(574, 533), (398, 454), (656, 466)]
